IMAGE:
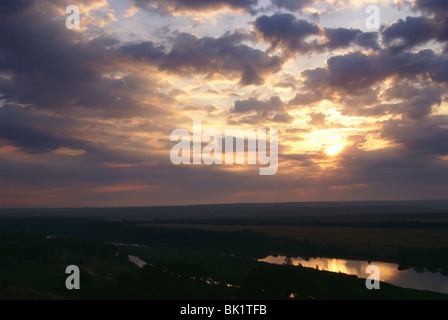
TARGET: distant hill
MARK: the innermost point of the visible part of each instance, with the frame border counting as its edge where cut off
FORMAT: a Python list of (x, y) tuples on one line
[(239, 210)]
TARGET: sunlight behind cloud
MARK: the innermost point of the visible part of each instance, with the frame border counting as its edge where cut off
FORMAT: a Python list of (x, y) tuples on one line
[(334, 149)]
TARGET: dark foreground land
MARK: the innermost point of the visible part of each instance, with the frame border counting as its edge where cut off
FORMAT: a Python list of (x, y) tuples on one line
[(192, 254)]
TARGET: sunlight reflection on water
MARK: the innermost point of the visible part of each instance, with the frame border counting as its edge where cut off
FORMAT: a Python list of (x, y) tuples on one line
[(388, 272)]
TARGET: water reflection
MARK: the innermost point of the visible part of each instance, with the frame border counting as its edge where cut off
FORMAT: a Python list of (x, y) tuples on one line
[(136, 260), (388, 271)]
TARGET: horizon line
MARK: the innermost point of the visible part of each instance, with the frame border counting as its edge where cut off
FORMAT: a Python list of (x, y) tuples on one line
[(222, 204)]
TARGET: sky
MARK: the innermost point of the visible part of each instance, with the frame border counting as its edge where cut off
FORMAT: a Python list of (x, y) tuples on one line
[(86, 114)]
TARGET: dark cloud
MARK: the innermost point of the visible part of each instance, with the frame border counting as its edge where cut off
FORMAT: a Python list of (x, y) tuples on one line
[(389, 168), (306, 160), (358, 104), (357, 71), (433, 6), (255, 111), (439, 70), (438, 10), (143, 52), (306, 98), (443, 35), (354, 71), (286, 32), (224, 56), (35, 133), (318, 120), (55, 68), (9, 7), (405, 34), (417, 99), (342, 38), (292, 5), (423, 138), (172, 6), (352, 80)]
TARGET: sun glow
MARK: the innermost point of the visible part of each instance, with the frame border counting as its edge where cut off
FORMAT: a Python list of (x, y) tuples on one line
[(334, 149)]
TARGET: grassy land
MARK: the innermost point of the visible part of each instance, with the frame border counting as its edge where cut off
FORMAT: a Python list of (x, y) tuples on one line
[(172, 274), (339, 235), (184, 258)]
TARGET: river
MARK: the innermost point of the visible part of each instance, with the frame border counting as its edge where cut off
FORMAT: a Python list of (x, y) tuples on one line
[(388, 272)]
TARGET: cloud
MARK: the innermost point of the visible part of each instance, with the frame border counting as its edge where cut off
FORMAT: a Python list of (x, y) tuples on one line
[(224, 56), (357, 71), (439, 7), (391, 168), (417, 101), (9, 7), (61, 70), (32, 133), (419, 137), (294, 35), (405, 34), (306, 98), (438, 10), (146, 51), (356, 81), (292, 5), (319, 121), (342, 38), (286, 32), (37, 133), (255, 111), (179, 6)]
